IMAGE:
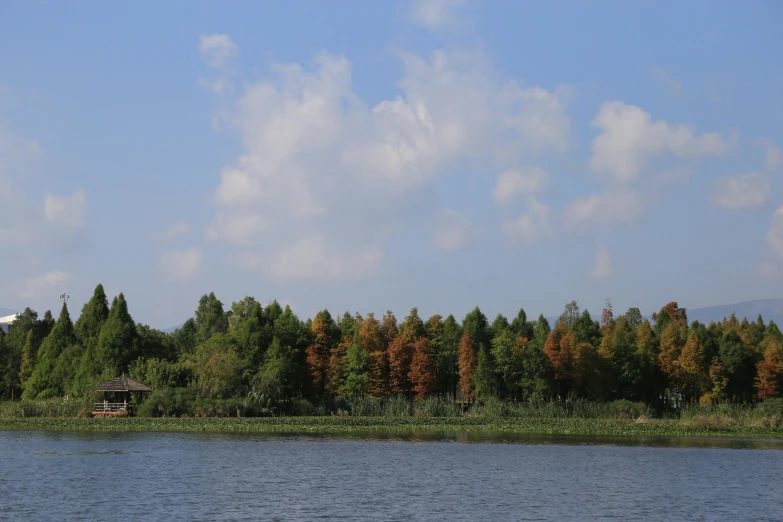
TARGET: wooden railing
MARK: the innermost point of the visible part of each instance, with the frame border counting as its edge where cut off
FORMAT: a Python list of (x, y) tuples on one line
[(110, 407)]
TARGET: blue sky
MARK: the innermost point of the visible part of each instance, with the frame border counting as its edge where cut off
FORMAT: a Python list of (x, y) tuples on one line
[(366, 156)]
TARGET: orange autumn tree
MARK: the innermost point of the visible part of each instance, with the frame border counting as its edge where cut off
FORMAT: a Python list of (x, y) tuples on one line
[(374, 343), (691, 372), (769, 379), (467, 365), (422, 373), (319, 351), (669, 352), (399, 365), (559, 348)]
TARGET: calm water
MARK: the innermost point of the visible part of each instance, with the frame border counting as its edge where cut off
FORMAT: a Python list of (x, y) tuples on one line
[(127, 476)]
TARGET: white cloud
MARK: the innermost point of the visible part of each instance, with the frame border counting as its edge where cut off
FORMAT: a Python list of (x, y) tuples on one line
[(616, 205), (672, 84), (45, 285), (309, 258), (217, 50), (532, 227), (629, 138), (769, 270), (170, 233), (435, 14), (180, 265), (452, 230), (237, 228), (321, 163), (775, 233), (525, 181), (742, 191), (773, 156), (66, 211), (603, 265)]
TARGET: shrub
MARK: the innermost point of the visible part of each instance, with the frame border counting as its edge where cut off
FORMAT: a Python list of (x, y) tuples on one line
[(623, 409)]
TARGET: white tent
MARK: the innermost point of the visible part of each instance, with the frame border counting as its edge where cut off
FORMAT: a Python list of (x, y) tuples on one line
[(5, 322)]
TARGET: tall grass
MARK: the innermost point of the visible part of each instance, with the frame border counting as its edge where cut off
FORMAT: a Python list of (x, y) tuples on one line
[(185, 403), (50, 408), (768, 414)]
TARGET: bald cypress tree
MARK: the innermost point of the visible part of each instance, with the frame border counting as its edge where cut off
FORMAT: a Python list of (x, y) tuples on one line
[(116, 346), (44, 380), (28, 359), (94, 313)]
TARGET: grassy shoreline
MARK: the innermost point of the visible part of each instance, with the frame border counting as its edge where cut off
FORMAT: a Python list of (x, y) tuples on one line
[(397, 426)]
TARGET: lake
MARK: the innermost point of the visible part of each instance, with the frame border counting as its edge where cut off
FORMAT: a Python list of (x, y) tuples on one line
[(168, 476)]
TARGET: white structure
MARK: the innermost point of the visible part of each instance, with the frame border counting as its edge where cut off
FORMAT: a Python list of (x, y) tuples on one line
[(5, 322)]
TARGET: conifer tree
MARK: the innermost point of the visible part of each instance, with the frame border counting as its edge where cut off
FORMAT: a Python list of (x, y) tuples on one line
[(94, 313), (43, 382), (422, 375), (210, 318), (372, 341), (116, 346), (356, 368), (319, 350), (467, 366)]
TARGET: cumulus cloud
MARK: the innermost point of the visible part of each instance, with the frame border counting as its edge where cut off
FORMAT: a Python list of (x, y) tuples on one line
[(236, 228), (603, 265), (66, 211), (629, 138), (435, 14), (217, 50), (452, 230), (740, 192), (671, 84), (525, 181), (775, 234), (321, 165), (311, 258), (616, 205), (42, 286), (532, 227), (180, 265), (773, 154)]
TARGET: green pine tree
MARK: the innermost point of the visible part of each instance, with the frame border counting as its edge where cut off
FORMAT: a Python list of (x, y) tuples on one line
[(45, 381), (28, 359)]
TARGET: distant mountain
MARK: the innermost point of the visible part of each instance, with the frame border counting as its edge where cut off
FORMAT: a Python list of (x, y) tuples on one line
[(770, 309)]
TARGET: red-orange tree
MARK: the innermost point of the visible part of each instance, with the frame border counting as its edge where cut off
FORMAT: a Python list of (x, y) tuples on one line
[(422, 374), (319, 351), (399, 353), (467, 365), (374, 343)]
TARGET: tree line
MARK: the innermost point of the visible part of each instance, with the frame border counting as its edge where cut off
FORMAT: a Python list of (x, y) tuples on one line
[(268, 351)]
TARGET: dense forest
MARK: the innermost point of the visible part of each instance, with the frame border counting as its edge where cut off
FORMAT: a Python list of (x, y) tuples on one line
[(269, 354)]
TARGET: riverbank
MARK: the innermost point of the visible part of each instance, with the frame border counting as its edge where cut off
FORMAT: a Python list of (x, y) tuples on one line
[(398, 426)]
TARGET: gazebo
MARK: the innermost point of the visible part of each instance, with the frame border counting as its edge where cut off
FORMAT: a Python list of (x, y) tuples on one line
[(117, 395)]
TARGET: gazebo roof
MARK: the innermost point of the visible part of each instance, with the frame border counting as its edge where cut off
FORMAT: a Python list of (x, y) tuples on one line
[(122, 383)]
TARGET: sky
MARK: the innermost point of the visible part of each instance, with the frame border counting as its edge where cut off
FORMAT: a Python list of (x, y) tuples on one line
[(364, 156)]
